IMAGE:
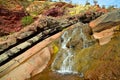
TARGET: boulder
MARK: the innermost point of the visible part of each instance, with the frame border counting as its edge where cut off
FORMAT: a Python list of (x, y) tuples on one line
[(106, 21)]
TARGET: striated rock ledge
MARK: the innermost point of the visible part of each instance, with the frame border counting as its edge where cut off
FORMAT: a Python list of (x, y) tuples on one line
[(104, 26), (106, 21), (44, 24), (29, 63)]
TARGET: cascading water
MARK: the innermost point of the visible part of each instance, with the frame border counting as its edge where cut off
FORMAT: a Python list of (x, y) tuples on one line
[(67, 64), (64, 61)]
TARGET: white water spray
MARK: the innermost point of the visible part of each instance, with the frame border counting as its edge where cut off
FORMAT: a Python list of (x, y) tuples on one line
[(66, 54), (67, 64)]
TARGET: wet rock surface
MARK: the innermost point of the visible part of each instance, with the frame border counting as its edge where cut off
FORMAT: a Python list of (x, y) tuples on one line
[(49, 75), (76, 41), (96, 62), (72, 40)]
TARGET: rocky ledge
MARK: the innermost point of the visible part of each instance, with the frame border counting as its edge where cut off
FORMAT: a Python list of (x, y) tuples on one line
[(104, 26)]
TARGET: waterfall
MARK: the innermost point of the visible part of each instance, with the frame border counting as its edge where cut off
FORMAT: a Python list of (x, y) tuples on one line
[(64, 61), (67, 64)]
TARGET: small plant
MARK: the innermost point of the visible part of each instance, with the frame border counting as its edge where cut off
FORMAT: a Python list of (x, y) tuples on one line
[(26, 20)]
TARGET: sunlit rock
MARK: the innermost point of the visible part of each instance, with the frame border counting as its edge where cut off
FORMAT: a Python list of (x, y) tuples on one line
[(30, 67), (104, 36), (106, 21)]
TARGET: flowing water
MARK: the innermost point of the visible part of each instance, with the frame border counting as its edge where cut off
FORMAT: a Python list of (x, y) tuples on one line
[(50, 75), (62, 67), (66, 54), (67, 64)]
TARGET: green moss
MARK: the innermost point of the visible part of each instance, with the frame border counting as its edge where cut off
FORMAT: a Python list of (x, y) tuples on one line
[(82, 59), (26, 20), (91, 58)]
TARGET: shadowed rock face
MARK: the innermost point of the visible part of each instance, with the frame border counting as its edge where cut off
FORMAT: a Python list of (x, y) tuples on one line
[(106, 21)]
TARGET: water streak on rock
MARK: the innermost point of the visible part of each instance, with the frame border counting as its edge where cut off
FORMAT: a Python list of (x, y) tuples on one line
[(64, 61), (67, 63)]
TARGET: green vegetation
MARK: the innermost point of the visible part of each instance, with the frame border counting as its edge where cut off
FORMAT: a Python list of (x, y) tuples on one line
[(26, 20)]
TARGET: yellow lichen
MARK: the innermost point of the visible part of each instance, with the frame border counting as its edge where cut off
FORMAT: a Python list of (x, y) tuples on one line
[(55, 48)]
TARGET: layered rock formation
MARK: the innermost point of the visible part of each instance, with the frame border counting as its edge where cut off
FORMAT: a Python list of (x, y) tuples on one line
[(106, 21), (104, 27), (29, 63), (14, 44)]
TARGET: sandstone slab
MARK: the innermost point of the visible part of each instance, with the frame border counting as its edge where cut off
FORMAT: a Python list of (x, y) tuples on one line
[(106, 21)]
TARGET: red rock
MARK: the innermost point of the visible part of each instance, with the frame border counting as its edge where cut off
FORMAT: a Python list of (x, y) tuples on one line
[(10, 21)]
